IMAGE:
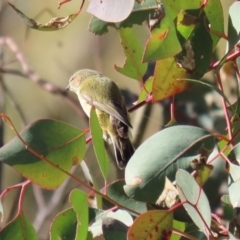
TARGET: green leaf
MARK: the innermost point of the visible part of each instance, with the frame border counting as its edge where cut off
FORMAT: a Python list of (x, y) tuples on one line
[(133, 49), (64, 225), (146, 90), (153, 224), (187, 21), (98, 145), (214, 13), (197, 50), (228, 210), (72, 223), (19, 228), (233, 25), (174, 7), (163, 42), (180, 226), (203, 172), (111, 11), (61, 144), (79, 201), (161, 156), (98, 26), (53, 25), (180, 32), (195, 200), (165, 83), (115, 191)]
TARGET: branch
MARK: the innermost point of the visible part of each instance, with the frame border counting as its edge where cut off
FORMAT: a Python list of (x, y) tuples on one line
[(27, 72)]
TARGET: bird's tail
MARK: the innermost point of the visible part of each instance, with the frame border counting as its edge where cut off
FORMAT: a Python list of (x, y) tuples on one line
[(123, 149)]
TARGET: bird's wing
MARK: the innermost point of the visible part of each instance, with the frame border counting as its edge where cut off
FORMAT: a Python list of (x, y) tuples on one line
[(112, 108)]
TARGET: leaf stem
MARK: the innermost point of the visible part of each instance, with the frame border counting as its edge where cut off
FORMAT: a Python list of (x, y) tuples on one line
[(226, 113), (231, 57), (135, 107)]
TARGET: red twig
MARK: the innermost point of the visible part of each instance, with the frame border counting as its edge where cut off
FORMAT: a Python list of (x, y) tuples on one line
[(11, 188), (231, 57), (229, 127), (66, 1), (23, 186), (20, 201), (172, 108), (89, 139), (194, 205), (28, 73), (135, 107)]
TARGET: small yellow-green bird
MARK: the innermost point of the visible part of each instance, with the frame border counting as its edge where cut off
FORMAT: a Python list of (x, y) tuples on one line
[(94, 89)]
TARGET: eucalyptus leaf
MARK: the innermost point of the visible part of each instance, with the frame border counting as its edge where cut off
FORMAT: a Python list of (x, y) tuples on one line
[(98, 145), (79, 201), (133, 49), (153, 224), (64, 225), (111, 10), (19, 228), (161, 156), (46, 148), (194, 200), (233, 25)]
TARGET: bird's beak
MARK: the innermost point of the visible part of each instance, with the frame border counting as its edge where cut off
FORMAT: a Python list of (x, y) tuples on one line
[(68, 87)]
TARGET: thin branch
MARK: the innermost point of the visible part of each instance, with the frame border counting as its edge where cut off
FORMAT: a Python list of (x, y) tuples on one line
[(1, 122), (231, 57), (172, 109), (138, 105), (21, 196), (226, 113), (27, 72), (46, 85)]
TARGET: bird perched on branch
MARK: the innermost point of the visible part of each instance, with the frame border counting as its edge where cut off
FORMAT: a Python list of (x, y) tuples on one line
[(95, 90)]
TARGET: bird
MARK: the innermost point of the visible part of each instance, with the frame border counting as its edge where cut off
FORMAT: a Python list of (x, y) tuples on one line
[(96, 90)]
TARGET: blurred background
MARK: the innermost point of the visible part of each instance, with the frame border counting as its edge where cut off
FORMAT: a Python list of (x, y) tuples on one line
[(54, 57)]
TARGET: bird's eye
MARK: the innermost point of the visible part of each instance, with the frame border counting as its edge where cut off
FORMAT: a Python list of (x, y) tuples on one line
[(71, 79)]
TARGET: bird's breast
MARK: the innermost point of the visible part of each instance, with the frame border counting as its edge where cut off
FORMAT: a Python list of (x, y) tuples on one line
[(85, 105)]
